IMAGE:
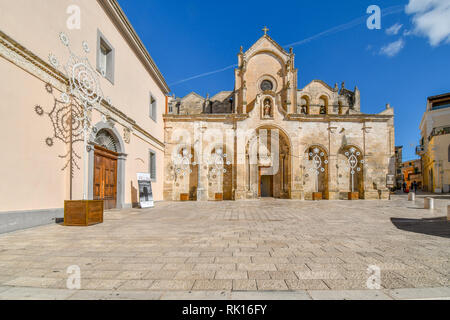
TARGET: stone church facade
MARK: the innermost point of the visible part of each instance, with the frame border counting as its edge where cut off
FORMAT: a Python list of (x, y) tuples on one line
[(267, 138)]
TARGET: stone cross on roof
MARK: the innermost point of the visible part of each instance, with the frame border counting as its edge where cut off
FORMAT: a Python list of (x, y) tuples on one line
[(265, 29)]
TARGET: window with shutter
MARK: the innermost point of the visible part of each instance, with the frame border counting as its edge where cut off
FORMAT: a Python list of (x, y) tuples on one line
[(153, 109), (152, 169), (105, 57)]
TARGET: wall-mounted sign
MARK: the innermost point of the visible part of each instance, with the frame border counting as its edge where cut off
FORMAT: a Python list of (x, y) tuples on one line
[(145, 190), (390, 180)]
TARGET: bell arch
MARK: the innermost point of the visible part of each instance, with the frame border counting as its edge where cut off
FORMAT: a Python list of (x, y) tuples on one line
[(305, 102), (323, 104)]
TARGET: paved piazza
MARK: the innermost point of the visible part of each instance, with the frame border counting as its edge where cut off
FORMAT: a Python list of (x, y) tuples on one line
[(267, 245)]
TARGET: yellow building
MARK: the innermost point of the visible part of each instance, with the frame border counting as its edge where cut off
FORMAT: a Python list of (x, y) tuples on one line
[(412, 171), (435, 144)]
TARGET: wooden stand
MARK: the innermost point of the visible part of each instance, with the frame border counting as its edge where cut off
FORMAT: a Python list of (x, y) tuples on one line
[(184, 196), (219, 196), (317, 196), (83, 213), (353, 196)]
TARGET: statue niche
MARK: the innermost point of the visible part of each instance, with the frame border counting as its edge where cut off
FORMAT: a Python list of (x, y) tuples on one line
[(267, 109)]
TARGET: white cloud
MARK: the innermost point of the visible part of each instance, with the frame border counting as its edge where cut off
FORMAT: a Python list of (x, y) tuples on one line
[(431, 19), (393, 30), (393, 48)]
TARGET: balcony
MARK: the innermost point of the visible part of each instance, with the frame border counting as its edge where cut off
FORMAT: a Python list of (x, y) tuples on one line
[(439, 131), (420, 150)]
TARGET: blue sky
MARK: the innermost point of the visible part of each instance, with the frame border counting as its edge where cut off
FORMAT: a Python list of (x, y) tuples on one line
[(401, 64)]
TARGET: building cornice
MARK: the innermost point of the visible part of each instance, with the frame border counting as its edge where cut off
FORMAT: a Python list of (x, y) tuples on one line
[(120, 20), (290, 117), (339, 118), (229, 117)]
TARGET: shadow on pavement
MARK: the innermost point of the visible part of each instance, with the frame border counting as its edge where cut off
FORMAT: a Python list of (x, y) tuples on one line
[(439, 227)]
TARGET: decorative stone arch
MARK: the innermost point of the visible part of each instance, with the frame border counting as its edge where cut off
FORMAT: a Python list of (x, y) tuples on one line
[(220, 172), (270, 51), (321, 146), (257, 166), (186, 168), (122, 157)]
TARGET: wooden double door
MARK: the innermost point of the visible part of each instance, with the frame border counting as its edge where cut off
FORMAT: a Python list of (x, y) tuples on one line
[(105, 177)]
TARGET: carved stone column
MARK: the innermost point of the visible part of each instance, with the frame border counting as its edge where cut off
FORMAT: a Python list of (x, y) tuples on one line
[(244, 97), (296, 169), (240, 192)]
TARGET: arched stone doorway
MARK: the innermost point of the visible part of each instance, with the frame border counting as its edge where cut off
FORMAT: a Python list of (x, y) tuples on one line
[(268, 164), (107, 167)]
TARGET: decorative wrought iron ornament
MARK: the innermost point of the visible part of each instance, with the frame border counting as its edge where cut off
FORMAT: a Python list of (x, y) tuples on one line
[(72, 111), (217, 160), (319, 162), (180, 166), (67, 128), (354, 164)]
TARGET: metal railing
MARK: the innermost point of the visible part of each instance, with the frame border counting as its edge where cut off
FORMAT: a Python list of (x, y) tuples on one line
[(439, 131), (420, 150)]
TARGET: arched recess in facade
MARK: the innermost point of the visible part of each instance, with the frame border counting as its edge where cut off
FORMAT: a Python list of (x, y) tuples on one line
[(268, 163), (108, 138), (351, 170), (182, 171), (220, 172), (316, 176)]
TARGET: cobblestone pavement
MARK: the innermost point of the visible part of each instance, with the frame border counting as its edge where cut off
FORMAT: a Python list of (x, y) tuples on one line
[(266, 245)]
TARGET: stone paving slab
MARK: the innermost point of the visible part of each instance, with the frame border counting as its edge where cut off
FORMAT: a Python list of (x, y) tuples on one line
[(28, 293), (349, 295), (423, 293), (271, 245)]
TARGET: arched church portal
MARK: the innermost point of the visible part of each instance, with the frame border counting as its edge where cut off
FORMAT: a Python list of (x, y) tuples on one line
[(268, 164)]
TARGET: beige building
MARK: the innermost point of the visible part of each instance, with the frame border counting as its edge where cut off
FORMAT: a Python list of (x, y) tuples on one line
[(267, 138), (38, 41), (434, 148), (399, 178)]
